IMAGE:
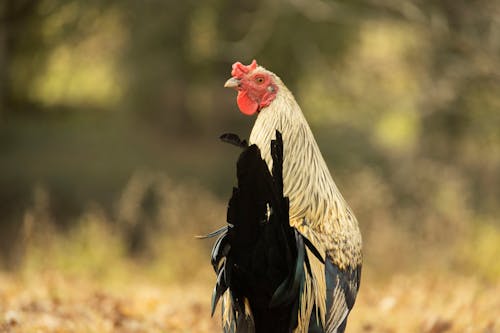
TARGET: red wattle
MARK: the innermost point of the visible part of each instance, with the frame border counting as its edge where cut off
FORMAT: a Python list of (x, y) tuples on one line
[(246, 104)]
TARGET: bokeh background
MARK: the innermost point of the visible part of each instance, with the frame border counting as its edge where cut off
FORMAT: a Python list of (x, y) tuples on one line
[(110, 163)]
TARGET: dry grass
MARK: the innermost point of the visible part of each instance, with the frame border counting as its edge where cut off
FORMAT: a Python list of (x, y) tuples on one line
[(54, 302), (57, 303), (428, 302)]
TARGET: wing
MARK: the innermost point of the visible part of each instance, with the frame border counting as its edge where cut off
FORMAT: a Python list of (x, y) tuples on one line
[(342, 285)]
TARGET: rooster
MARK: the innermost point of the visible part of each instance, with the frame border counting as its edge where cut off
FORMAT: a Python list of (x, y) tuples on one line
[(290, 257)]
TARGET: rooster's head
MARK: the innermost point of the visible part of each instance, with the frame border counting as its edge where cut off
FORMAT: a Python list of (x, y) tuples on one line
[(256, 86)]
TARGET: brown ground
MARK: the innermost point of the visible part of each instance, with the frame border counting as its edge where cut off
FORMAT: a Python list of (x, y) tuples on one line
[(54, 302)]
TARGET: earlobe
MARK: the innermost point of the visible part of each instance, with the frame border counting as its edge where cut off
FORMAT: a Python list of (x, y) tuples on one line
[(268, 97)]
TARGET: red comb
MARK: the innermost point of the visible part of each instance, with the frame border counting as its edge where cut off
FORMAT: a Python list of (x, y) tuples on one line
[(240, 70)]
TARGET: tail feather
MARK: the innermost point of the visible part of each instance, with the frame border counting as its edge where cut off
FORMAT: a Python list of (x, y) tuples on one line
[(259, 259), (234, 139), (219, 289)]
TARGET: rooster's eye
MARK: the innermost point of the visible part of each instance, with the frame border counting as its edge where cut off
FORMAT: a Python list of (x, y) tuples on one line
[(259, 80)]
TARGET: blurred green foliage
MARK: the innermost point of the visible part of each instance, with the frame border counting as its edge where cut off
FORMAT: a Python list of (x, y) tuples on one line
[(404, 99)]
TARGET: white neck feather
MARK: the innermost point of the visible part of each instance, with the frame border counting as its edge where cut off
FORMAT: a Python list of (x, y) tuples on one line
[(307, 181)]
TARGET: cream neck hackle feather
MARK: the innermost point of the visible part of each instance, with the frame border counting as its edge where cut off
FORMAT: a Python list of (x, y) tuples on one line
[(307, 180)]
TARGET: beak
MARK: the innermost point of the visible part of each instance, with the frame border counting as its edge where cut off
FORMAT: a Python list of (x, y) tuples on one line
[(232, 83)]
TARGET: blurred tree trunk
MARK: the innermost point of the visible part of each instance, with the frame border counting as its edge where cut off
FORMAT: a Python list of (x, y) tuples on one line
[(3, 59), (19, 36)]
